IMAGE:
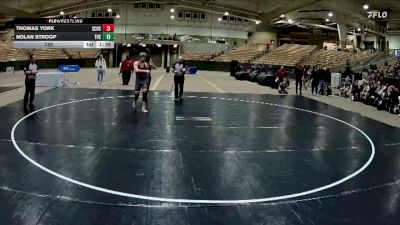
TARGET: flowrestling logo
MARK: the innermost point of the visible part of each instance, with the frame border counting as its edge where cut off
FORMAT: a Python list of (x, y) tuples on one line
[(64, 21), (376, 14)]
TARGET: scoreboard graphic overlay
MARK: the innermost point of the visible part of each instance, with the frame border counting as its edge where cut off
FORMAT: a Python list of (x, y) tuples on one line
[(64, 33)]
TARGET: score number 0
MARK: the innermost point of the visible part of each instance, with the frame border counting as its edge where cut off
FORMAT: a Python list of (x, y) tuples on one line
[(108, 32)]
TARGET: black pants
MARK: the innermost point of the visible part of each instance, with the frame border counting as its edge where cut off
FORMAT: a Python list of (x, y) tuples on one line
[(29, 92), (299, 85), (148, 82), (314, 87), (179, 81), (126, 77)]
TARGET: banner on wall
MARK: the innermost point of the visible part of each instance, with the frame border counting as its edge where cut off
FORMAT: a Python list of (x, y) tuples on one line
[(69, 68), (378, 14)]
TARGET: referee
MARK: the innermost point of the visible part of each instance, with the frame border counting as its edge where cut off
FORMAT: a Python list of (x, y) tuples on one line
[(30, 70)]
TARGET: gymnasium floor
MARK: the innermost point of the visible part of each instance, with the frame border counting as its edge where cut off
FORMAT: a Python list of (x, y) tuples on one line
[(232, 153)]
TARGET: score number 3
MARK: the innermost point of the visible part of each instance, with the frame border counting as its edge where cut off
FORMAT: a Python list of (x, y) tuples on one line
[(108, 27)]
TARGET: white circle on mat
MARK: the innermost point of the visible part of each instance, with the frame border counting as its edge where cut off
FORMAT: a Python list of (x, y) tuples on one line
[(195, 201)]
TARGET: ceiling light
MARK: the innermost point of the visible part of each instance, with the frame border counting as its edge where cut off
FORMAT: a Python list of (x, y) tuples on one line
[(172, 17), (330, 14), (118, 16), (62, 13), (128, 45), (219, 19), (172, 10), (258, 22), (327, 20), (175, 45), (282, 16), (109, 10), (365, 6), (226, 14)]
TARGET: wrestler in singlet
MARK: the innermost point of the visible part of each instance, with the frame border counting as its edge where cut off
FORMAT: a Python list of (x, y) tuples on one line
[(151, 67), (142, 72)]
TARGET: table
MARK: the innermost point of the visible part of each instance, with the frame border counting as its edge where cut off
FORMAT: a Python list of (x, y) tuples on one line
[(10, 70), (50, 79), (336, 79)]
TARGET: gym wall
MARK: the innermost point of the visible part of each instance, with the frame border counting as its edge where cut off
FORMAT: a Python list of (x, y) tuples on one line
[(157, 21)]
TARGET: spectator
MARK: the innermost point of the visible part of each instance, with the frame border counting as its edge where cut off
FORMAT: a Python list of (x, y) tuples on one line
[(314, 80), (365, 92), (394, 98), (126, 70), (347, 72), (327, 82), (376, 88), (281, 74), (320, 77), (101, 68), (373, 67), (298, 71), (364, 73), (306, 77)]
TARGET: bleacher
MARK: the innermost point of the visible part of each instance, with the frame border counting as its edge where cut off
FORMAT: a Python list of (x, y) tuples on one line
[(43, 53), (333, 58), (9, 53), (287, 55), (82, 54), (391, 61), (199, 56), (244, 53)]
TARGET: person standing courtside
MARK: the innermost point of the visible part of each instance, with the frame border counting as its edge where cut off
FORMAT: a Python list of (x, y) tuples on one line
[(321, 77), (327, 82), (314, 81), (299, 79), (30, 70), (126, 70), (101, 68), (306, 77), (142, 73), (179, 78)]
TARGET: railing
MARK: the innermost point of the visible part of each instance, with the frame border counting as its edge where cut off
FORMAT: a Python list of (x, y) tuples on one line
[(307, 57), (66, 53)]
